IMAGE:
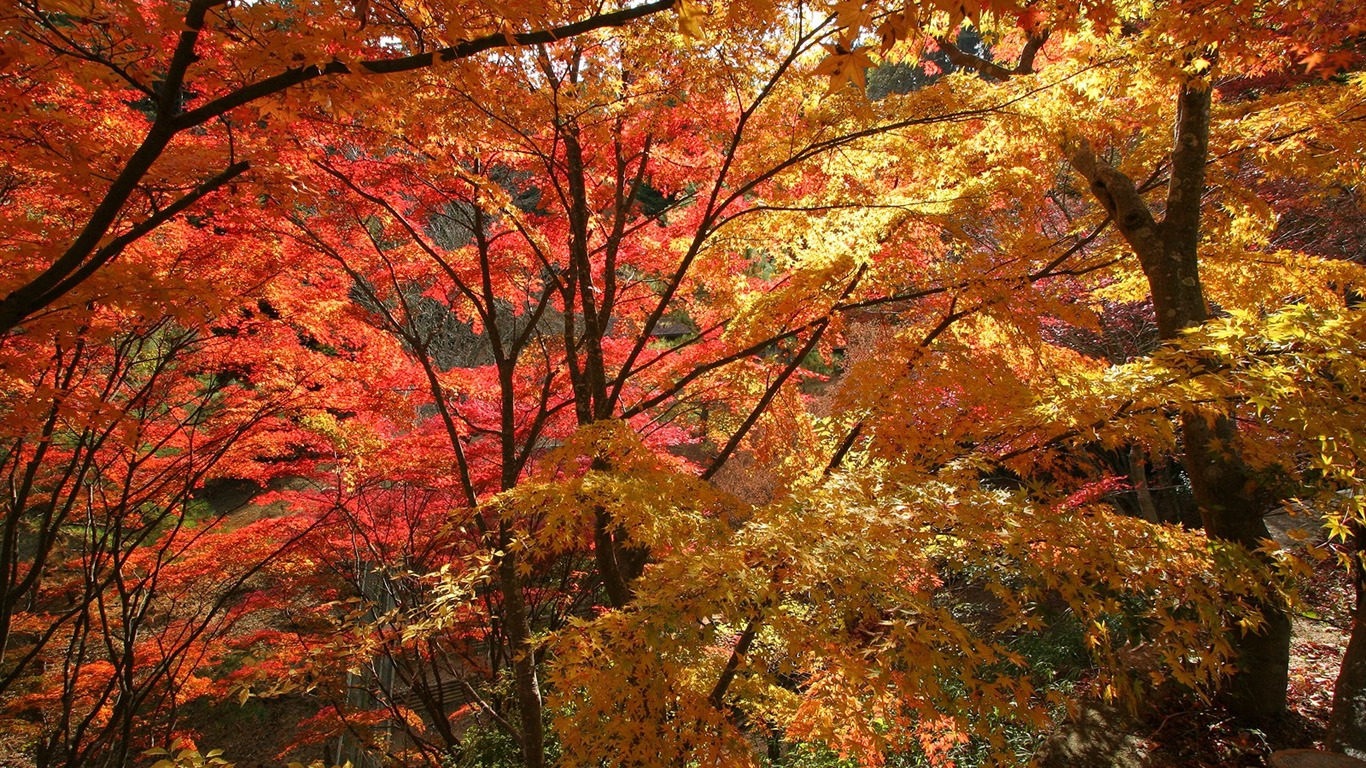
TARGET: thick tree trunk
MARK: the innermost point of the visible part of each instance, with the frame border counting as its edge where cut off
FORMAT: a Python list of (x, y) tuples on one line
[(1347, 724), (1225, 491), (1230, 510)]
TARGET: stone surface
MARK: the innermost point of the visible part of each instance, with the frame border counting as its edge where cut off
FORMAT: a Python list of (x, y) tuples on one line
[(1313, 758), (1099, 737)]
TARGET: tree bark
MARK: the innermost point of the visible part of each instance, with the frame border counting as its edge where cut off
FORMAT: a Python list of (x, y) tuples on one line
[(1347, 723)]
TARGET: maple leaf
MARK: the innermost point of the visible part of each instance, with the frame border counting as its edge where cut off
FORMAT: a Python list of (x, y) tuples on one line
[(843, 66), (690, 17)]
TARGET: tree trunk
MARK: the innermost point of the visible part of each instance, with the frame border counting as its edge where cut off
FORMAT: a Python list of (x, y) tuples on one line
[(525, 678), (1138, 474), (1347, 724), (1226, 492)]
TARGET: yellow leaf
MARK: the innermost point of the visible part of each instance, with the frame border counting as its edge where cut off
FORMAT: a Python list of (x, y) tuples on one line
[(690, 17)]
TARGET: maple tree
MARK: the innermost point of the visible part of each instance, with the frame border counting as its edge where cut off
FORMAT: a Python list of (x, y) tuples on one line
[(533, 326), (108, 616), (548, 355), (169, 82), (1175, 282), (1172, 244)]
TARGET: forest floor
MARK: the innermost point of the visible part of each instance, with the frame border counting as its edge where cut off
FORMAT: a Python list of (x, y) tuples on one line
[(1207, 737)]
